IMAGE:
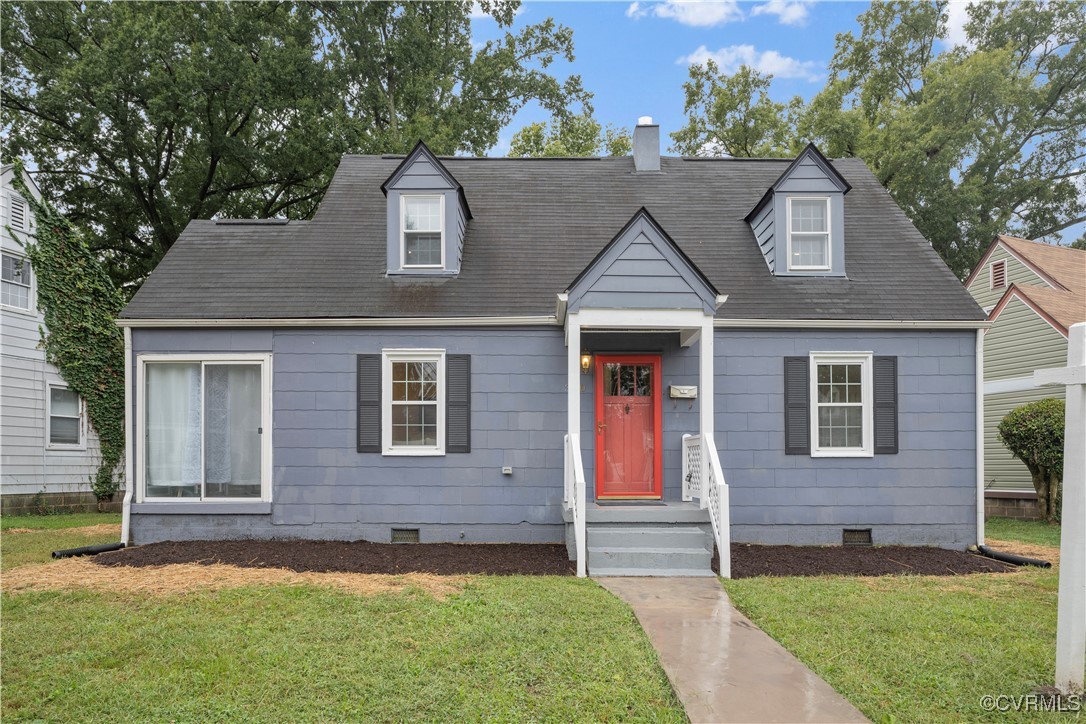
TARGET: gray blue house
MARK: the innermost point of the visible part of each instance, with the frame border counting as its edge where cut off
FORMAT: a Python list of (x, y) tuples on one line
[(641, 356)]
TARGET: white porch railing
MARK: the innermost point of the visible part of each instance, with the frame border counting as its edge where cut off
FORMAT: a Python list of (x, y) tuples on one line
[(703, 478), (574, 498)]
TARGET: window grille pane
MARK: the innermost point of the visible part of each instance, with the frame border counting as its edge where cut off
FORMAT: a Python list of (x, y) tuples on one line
[(414, 425), (610, 379), (644, 380), (809, 249), (809, 215), (64, 430), (63, 402), (232, 419), (422, 249), (173, 429), (422, 213)]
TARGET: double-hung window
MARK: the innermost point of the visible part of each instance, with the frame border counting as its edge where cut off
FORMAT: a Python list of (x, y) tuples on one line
[(14, 281), (422, 231), (841, 403), (808, 234), (65, 412), (414, 402), (205, 427)]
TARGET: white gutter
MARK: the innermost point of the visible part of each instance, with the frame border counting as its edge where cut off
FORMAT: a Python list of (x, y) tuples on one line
[(980, 436), (550, 320), (851, 324), (129, 440)]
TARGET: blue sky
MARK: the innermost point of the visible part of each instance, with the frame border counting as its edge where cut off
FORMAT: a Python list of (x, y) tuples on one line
[(634, 56)]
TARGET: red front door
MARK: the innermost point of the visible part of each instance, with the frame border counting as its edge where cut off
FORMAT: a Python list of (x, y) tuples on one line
[(628, 456)]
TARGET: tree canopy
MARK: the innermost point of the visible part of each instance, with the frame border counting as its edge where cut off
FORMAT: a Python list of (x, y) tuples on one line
[(971, 141), (142, 116), (579, 135)]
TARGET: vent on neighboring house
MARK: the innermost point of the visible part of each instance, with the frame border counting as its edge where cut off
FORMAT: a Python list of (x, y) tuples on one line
[(405, 535), (856, 537), (18, 213), (999, 274)]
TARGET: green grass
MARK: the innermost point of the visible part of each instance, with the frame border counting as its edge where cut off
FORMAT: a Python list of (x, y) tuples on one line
[(506, 648), (53, 522), (1028, 531), (49, 534), (919, 648)]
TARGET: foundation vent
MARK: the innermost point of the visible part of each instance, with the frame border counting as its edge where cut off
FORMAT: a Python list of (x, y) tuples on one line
[(856, 537), (405, 535)]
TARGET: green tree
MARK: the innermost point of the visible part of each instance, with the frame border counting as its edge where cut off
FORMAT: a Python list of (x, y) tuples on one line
[(734, 115), (142, 116), (971, 141), (574, 135), (1034, 434)]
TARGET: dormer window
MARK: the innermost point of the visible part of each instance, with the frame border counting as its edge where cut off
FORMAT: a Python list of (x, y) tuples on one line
[(808, 233), (423, 231)]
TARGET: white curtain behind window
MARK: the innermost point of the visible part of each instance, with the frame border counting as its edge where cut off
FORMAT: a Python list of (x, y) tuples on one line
[(173, 429), (232, 425)]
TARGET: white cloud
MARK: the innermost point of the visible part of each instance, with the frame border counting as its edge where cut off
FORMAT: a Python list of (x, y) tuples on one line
[(789, 12), (767, 61), (699, 13), (957, 13)]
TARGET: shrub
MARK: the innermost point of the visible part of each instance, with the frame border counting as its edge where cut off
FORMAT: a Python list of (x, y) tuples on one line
[(1034, 434)]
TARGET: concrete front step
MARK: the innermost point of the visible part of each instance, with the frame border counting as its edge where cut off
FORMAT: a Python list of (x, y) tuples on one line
[(657, 561), (659, 537), (652, 572)]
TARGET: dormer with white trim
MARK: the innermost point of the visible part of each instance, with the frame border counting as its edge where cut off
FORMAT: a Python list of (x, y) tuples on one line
[(799, 222), (427, 217)]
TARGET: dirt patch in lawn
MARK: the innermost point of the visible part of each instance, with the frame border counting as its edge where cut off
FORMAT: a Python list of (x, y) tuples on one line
[(749, 561), (1029, 550), (76, 574), (441, 559), (100, 529)]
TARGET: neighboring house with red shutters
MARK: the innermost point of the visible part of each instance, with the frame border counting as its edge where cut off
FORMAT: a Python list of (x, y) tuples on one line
[(1033, 292), (643, 357)]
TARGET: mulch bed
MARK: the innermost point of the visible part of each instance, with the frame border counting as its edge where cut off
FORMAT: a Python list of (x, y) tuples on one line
[(357, 557), (749, 561)]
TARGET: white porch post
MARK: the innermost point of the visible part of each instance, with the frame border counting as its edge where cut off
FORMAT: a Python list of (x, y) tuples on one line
[(705, 409), (1071, 607), (573, 425)]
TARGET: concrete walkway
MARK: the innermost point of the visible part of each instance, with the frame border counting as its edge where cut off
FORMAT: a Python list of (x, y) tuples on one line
[(723, 667)]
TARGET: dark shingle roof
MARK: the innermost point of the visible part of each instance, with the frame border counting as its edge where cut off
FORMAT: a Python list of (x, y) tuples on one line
[(537, 223)]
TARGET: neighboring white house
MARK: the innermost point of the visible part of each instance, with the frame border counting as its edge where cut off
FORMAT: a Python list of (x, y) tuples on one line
[(46, 444)]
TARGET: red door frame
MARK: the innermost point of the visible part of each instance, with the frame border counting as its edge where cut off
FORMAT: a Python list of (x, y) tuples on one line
[(657, 422)]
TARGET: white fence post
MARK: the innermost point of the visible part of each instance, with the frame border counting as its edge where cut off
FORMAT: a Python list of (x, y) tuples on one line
[(1071, 606)]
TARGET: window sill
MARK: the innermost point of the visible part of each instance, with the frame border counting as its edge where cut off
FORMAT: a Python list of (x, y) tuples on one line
[(412, 453), (25, 311), (842, 454), (203, 508), (57, 447)]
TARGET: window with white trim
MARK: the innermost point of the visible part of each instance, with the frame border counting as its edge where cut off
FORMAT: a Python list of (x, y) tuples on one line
[(998, 274), (413, 402), (64, 410), (205, 427), (808, 234), (422, 231), (14, 281), (841, 405)]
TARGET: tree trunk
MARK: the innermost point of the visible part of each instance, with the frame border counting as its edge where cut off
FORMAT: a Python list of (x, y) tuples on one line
[(1040, 485)]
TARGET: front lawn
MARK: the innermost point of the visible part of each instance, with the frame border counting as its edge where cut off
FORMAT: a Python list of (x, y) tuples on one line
[(497, 648), (918, 648), (33, 538), (1026, 531)]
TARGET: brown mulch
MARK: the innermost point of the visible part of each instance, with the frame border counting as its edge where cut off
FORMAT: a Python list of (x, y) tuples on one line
[(355, 557), (749, 561)]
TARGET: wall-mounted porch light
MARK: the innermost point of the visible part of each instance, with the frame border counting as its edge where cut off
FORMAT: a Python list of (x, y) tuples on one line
[(586, 363)]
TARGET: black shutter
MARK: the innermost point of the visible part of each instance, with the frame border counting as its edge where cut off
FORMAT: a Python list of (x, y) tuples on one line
[(458, 403), (885, 402), (797, 402), (369, 403)]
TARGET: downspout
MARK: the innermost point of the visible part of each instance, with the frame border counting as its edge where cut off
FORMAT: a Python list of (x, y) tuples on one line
[(980, 436), (129, 440)]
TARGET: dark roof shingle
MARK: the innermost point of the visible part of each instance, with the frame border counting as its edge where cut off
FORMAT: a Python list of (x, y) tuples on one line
[(536, 224)]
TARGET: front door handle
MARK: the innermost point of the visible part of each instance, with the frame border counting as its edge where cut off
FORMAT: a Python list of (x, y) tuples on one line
[(599, 427), (627, 409)]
